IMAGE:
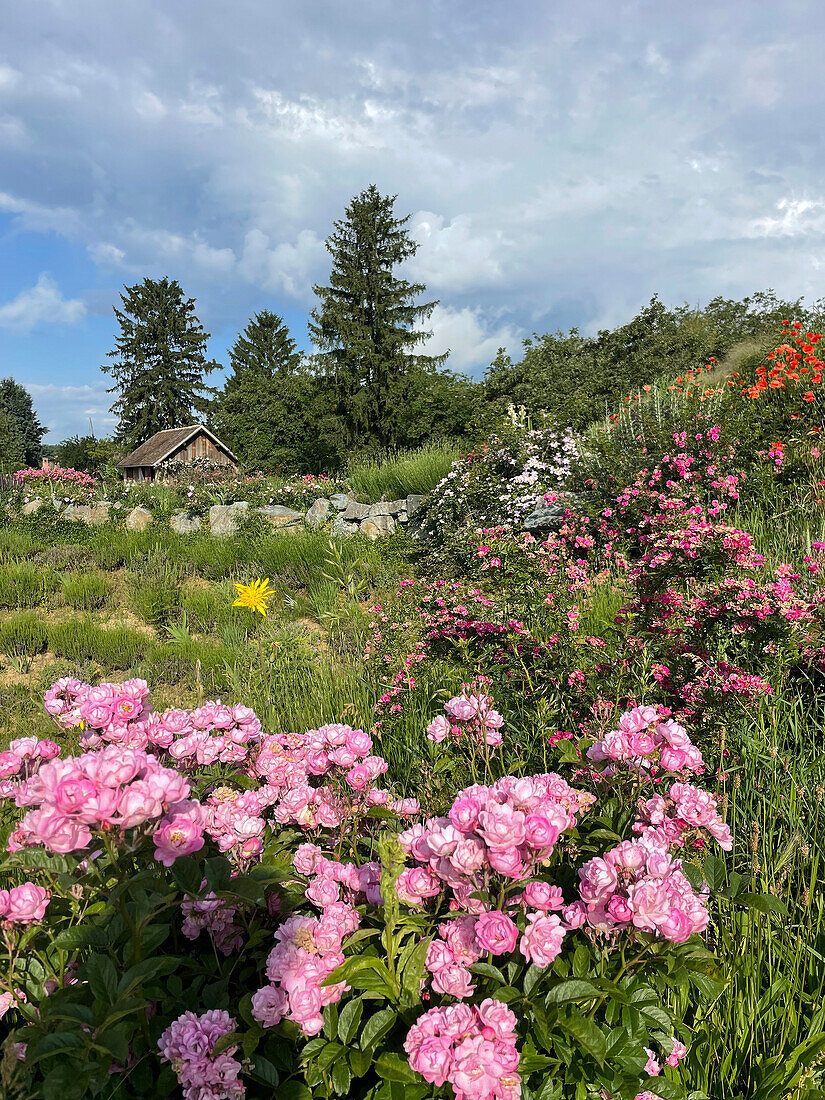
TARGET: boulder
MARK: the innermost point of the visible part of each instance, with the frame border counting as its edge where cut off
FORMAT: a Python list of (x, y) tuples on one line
[(377, 526), (548, 517), (354, 511), (397, 506), (341, 528), (224, 519), (138, 519), (339, 501), (91, 514), (402, 517), (380, 508), (414, 502), (279, 515), (319, 512), (184, 524), (32, 506)]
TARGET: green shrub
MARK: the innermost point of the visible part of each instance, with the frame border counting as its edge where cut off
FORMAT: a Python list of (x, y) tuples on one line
[(81, 639), (85, 591), (23, 635), (16, 544), (24, 584)]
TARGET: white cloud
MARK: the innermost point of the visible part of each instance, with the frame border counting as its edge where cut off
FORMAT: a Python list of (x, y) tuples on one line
[(452, 256), (40, 217), (471, 342), (794, 217), (66, 410), (41, 304), (291, 267), (107, 255)]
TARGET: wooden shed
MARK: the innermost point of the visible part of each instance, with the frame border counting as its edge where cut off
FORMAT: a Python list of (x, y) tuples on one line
[(174, 445)]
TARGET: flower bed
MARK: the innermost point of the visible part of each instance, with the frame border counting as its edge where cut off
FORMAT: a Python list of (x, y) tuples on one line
[(207, 906)]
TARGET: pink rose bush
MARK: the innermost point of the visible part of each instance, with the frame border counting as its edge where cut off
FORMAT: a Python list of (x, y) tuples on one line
[(470, 714), (112, 788), (643, 739), (280, 859)]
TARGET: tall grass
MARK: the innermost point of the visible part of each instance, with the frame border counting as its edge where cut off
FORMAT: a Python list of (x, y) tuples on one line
[(396, 475), (771, 1001)]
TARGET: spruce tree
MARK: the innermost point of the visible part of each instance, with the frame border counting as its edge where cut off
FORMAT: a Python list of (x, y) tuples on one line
[(159, 361), (268, 410), (12, 446), (363, 325), (18, 404)]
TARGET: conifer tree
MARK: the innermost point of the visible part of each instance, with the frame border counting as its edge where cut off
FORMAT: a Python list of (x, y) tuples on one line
[(269, 410), (364, 324), (159, 361), (12, 446), (18, 405)]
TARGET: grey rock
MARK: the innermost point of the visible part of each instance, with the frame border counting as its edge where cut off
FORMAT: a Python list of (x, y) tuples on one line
[(341, 528), (339, 501), (402, 517), (279, 515), (354, 510), (138, 519), (224, 519), (546, 518), (377, 526), (93, 515), (380, 508), (397, 506), (32, 506), (184, 524), (319, 512), (414, 502)]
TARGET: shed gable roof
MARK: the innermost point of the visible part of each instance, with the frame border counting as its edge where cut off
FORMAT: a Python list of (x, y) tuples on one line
[(165, 443)]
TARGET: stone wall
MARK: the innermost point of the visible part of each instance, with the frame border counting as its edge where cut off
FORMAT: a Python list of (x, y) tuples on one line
[(341, 514)]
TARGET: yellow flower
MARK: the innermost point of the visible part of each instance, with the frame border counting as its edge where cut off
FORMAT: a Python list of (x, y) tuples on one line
[(255, 595)]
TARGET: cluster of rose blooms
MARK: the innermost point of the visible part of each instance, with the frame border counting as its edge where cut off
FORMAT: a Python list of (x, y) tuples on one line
[(56, 475), (307, 951), (340, 755), (638, 884), (111, 788), (120, 714), (214, 915), (508, 828), (22, 759), (473, 1048), (187, 1045), (470, 714), (685, 809), (643, 737), (310, 948)]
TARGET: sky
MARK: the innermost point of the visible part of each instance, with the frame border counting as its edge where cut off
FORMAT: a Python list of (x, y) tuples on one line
[(561, 162)]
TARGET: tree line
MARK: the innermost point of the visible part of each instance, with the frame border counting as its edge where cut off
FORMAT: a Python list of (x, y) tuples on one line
[(369, 386)]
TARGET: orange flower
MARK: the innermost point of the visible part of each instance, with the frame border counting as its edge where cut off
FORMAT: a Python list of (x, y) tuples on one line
[(809, 396)]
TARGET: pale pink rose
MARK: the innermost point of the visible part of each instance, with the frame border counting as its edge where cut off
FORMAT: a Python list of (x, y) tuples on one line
[(542, 939), (438, 729), (26, 903), (496, 933), (541, 895), (652, 1067)]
